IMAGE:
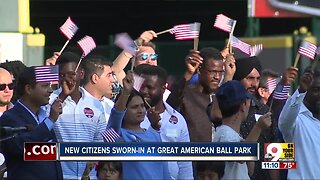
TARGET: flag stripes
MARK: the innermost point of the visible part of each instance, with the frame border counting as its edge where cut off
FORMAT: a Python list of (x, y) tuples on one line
[(46, 73), (69, 28)]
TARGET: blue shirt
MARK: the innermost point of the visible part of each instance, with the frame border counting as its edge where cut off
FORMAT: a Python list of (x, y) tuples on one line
[(40, 117), (138, 169)]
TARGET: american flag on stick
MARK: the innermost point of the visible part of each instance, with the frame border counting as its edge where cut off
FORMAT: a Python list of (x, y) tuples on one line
[(284, 94), (271, 84), (138, 81), (46, 73), (110, 135), (186, 31), (224, 23), (307, 49), (69, 28), (87, 44), (242, 46), (124, 41)]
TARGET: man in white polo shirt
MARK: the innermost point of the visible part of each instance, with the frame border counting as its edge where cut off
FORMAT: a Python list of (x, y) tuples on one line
[(98, 80), (83, 117)]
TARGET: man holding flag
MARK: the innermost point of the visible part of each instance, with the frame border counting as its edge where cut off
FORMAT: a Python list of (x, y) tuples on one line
[(33, 92), (82, 119)]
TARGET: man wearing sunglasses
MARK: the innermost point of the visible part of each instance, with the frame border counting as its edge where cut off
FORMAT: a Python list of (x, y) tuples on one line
[(6, 90), (146, 54)]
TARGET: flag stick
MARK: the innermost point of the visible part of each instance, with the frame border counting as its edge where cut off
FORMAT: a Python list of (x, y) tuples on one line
[(195, 43), (147, 103), (133, 59), (64, 46), (79, 62), (296, 60), (271, 104), (231, 33), (162, 32)]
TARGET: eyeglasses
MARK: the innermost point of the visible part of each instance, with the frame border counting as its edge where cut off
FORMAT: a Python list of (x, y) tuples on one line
[(145, 56), (3, 86)]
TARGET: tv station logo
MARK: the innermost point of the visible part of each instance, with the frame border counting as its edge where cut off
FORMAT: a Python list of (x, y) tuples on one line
[(42, 151), (279, 156)]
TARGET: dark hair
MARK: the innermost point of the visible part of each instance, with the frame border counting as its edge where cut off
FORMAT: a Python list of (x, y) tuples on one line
[(68, 57), (265, 74), (151, 70), (27, 77), (93, 65), (215, 166), (132, 94), (14, 67), (228, 110), (117, 165), (210, 53)]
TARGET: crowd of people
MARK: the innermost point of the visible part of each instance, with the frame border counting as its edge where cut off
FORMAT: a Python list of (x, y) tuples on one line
[(217, 100)]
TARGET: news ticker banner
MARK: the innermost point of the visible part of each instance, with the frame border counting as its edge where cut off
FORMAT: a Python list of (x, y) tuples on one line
[(82, 151), (279, 156)]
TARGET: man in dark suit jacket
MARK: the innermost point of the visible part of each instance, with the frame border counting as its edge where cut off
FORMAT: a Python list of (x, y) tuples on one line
[(27, 112)]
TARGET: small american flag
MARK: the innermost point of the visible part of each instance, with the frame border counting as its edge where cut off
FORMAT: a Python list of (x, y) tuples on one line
[(242, 46), (110, 135), (186, 31), (256, 50), (69, 28), (124, 41), (138, 81), (224, 23), (307, 49), (271, 84), (46, 73), (284, 94), (87, 44)]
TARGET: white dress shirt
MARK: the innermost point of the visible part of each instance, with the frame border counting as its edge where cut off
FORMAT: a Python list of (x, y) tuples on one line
[(298, 125)]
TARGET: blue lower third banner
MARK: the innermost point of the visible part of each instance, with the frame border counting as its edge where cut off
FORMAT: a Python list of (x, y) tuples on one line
[(158, 151)]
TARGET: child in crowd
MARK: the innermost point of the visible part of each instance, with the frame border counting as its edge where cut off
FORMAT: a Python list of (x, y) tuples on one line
[(106, 170), (210, 170)]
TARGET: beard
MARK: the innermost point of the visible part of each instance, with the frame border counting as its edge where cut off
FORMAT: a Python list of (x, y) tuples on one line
[(155, 100)]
